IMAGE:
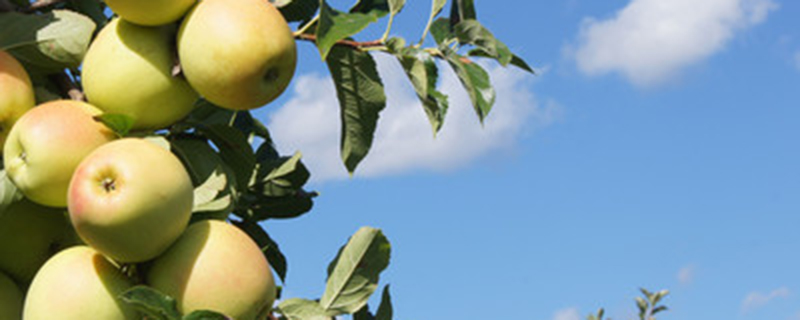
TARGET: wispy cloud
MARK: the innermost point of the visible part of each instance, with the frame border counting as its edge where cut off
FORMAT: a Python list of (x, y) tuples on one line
[(651, 41), (686, 275), (567, 314), (404, 141), (755, 299)]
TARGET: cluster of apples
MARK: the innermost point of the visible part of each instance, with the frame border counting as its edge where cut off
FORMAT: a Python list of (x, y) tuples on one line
[(128, 201)]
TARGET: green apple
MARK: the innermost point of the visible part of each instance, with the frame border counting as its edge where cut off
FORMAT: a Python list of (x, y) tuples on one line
[(238, 54), (150, 12), (215, 266), (128, 70), (16, 93), (11, 298), (47, 143), (29, 235), (78, 284), (130, 199)]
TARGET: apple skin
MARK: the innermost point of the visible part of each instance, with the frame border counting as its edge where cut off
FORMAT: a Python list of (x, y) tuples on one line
[(215, 266), (29, 235), (47, 143), (11, 298), (128, 70), (238, 54), (130, 199), (150, 12), (16, 93), (76, 284)]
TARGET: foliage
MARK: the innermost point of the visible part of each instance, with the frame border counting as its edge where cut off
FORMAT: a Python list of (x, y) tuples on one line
[(648, 306)]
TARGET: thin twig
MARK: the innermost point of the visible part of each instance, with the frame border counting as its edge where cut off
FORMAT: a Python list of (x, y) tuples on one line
[(349, 43)]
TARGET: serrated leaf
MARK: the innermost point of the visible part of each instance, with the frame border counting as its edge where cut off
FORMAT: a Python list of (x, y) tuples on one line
[(119, 123), (206, 315), (423, 74), (436, 8), (91, 8), (9, 193), (473, 32), (207, 113), (151, 302), (441, 32), (297, 10), (302, 309), (515, 60), (658, 309), (385, 310), (335, 25), (462, 10), (378, 8), (285, 207), (395, 6), (268, 246), (54, 40), (361, 99), (235, 151), (476, 81), (356, 270)]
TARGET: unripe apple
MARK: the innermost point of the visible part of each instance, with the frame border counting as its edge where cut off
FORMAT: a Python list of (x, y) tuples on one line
[(29, 235), (238, 54), (16, 93), (10, 299), (46, 145), (128, 70), (78, 284), (215, 266), (130, 199), (150, 12)]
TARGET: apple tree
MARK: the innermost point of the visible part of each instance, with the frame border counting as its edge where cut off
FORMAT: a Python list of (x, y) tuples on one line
[(184, 75)]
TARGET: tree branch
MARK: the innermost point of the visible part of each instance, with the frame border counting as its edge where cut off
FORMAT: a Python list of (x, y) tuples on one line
[(349, 43), (68, 87), (40, 4)]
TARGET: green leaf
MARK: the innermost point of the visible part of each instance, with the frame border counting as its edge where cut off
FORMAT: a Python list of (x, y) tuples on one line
[(264, 207), (462, 10), (395, 6), (385, 310), (297, 10), (378, 8), (214, 192), (302, 309), (54, 40), (335, 25), (361, 99), (151, 302), (515, 60), (474, 33), (235, 151), (476, 81), (9, 193), (363, 314), (268, 246), (423, 73), (91, 8), (441, 31), (206, 113), (436, 8), (206, 315), (119, 123), (356, 270), (282, 176)]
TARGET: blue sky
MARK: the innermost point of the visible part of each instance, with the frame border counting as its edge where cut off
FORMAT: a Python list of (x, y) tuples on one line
[(658, 147)]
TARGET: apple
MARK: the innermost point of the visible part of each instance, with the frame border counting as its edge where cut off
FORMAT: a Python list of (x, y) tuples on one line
[(11, 298), (150, 12), (215, 266), (47, 143), (77, 284), (130, 199), (128, 70), (29, 235), (238, 54), (16, 93)]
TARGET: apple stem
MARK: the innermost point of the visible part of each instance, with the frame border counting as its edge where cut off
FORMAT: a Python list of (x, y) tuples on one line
[(108, 184)]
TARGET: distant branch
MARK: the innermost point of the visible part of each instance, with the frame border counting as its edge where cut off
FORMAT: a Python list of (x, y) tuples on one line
[(349, 43), (68, 87)]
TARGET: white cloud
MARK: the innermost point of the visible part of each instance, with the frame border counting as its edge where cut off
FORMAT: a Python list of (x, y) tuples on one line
[(686, 275), (651, 41), (567, 314), (755, 300), (404, 141)]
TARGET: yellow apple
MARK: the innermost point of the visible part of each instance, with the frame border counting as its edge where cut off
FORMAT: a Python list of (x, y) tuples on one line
[(128, 70), (10, 299), (150, 12), (238, 54), (47, 143), (130, 199), (78, 284), (29, 235), (16, 93), (215, 266)]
